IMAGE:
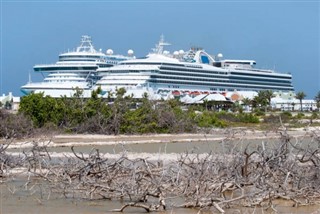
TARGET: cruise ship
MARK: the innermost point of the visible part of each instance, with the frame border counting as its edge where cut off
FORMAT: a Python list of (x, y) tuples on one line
[(191, 72), (74, 70)]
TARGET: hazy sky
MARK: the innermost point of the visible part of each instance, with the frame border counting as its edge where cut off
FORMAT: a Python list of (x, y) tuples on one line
[(278, 34)]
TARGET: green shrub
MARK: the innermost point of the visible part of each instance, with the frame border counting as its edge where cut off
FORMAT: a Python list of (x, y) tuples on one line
[(314, 115), (286, 116), (299, 115), (208, 119), (248, 118), (274, 119), (41, 109), (259, 112), (227, 116)]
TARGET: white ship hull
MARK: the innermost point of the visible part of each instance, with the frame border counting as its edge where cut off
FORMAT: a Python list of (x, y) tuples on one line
[(75, 69), (193, 72)]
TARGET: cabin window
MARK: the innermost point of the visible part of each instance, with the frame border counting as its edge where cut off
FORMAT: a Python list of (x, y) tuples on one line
[(204, 59), (217, 64)]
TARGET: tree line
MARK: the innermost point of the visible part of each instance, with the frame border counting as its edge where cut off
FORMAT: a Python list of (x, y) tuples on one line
[(120, 114)]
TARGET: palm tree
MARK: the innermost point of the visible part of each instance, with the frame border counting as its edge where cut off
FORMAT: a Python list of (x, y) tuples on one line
[(268, 94), (261, 100), (246, 102), (300, 96), (317, 99), (205, 102)]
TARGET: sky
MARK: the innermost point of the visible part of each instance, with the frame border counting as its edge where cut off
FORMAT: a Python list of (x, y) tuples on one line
[(278, 34)]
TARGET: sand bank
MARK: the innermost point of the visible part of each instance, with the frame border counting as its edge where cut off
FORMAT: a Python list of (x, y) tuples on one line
[(67, 140)]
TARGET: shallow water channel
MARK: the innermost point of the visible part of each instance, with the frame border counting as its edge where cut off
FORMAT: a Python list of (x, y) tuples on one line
[(15, 199), (198, 147)]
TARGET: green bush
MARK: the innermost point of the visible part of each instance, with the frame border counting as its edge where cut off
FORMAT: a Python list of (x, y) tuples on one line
[(286, 116), (314, 115), (209, 119), (274, 119), (299, 115), (41, 109), (247, 118), (259, 112), (227, 116)]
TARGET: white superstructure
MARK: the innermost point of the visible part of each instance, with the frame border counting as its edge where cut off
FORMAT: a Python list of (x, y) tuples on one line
[(74, 69), (194, 71)]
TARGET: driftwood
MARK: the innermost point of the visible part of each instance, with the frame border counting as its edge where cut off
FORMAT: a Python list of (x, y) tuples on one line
[(249, 176)]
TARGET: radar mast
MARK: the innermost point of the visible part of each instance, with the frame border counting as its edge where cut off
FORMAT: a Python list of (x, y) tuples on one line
[(159, 47), (86, 45)]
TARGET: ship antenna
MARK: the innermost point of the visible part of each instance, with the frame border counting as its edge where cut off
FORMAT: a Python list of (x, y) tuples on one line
[(86, 44), (159, 47), (29, 78)]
